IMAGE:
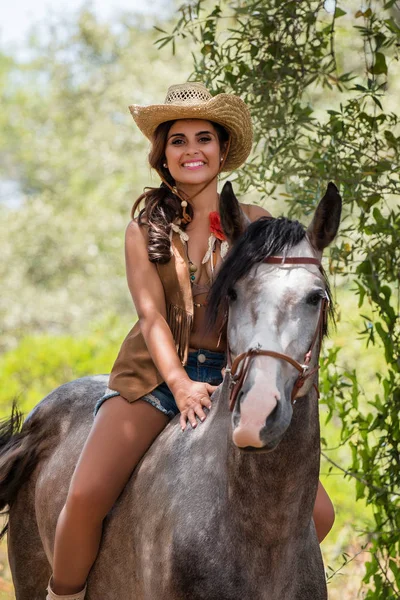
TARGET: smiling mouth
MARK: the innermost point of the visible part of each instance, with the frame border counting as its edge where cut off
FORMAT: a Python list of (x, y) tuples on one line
[(194, 164)]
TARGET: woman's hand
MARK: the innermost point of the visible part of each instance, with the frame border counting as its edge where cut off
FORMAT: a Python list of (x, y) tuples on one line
[(190, 399)]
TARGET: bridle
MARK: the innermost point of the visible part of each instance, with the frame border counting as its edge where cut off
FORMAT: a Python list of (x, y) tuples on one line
[(238, 375)]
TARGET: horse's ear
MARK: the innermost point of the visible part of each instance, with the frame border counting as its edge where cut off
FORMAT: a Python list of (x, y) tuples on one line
[(325, 223), (233, 220)]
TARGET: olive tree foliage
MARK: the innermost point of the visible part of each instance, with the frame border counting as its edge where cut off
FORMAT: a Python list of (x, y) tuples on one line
[(72, 163), (319, 82)]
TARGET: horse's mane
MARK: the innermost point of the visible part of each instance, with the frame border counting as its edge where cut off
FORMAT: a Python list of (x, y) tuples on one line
[(265, 237)]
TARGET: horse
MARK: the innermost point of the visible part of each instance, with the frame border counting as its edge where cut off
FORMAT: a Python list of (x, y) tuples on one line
[(222, 511)]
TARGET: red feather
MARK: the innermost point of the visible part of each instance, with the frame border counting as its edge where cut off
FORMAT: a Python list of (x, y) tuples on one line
[(215, 226)]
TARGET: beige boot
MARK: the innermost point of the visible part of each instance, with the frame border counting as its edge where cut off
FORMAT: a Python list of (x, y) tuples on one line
[(52, 596)]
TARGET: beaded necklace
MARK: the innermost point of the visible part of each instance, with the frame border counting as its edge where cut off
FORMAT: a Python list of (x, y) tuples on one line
[(216, 234)]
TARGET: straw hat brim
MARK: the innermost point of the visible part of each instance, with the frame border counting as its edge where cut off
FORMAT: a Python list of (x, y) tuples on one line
[(226, 109)]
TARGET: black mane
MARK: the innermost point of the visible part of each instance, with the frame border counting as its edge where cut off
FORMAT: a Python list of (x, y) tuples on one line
[(265, 237)]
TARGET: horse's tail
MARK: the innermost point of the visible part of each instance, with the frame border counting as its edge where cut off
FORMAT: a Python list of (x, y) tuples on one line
[(20, 448)]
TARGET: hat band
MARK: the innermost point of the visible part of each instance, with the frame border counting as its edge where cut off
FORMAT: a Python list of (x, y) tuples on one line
[(185, 102)]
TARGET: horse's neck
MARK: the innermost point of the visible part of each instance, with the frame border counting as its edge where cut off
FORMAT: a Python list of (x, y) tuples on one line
[(273, 493)]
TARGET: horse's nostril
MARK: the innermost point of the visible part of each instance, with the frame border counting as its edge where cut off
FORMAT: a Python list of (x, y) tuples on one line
[(274, 415), (236, 409)]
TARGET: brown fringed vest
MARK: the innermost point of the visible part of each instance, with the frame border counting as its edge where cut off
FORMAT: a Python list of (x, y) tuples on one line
[(134, 374)]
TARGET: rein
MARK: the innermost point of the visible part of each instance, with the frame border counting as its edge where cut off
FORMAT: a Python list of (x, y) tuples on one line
[(238, 375)]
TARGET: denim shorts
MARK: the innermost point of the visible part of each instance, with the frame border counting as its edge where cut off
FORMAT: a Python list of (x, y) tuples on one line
[(202, 365)]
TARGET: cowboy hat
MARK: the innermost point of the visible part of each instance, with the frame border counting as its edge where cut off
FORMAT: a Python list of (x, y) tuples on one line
[(193, 101)]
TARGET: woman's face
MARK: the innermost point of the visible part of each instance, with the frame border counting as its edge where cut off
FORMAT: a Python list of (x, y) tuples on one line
[(192, 151)]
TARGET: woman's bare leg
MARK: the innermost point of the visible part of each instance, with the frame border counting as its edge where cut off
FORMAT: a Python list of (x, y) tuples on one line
[(121, 434), (323, 513)]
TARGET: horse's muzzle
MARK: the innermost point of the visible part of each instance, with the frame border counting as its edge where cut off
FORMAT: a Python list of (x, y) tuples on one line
[(260, 421)]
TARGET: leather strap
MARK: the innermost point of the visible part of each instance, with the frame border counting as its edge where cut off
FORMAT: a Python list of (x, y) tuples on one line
[(292, 260)]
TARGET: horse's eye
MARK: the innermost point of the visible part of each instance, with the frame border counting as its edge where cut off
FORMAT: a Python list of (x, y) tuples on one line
[(314, 298), (232, 295)]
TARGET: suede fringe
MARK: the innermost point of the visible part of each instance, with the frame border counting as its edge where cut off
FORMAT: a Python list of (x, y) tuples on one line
[(180, 323)]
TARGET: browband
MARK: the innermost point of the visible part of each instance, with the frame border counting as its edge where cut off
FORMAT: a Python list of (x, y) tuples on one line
[(292, 260)]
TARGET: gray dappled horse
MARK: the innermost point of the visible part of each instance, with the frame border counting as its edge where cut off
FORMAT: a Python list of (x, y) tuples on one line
[(208, 514)]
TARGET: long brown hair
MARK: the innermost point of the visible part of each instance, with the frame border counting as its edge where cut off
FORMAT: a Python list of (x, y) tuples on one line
[(162, 207)]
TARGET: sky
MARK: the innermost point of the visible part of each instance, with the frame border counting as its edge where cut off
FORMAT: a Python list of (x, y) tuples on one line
[(17, 16)]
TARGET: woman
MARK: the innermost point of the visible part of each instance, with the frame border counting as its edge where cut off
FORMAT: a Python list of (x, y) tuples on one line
[(169, 363)]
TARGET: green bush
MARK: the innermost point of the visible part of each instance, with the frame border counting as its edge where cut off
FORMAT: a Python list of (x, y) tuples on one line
[(41, 363)]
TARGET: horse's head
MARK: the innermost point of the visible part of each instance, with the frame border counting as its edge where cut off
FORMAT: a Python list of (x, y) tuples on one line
[(277, 306)]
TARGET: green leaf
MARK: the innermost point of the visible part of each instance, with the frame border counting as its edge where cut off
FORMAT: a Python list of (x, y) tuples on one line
[(392, 25), (254, 50), (377, 102), (380, 67), (339, 12), (373, 199), (163, 41), (360, 490), (231, 78), (216, 12), (391, 139)]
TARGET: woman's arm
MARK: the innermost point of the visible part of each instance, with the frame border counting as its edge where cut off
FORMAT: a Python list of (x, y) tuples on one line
[(148, 296)]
